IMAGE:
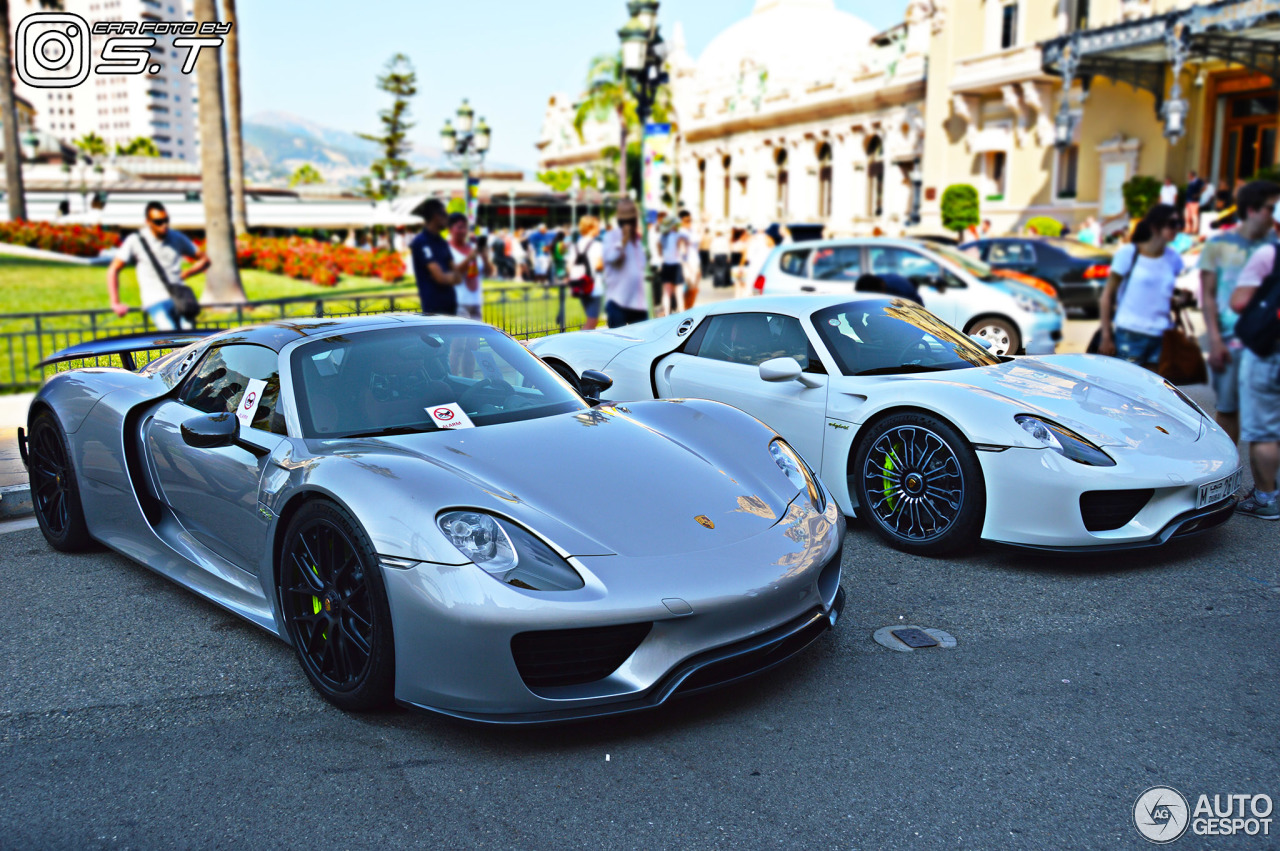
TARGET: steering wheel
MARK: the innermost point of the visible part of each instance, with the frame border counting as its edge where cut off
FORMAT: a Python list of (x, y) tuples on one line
[(473, 396), (918, 347)]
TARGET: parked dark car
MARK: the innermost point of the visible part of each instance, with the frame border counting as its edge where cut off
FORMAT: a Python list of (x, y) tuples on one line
[(1077, 271)]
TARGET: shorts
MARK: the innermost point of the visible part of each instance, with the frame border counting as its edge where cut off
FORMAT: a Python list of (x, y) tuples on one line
[(1226, 384), (672, 273), (471, 311), (620, 316), (1260, 398), (591, 305), (1135, 347), (165, 317)]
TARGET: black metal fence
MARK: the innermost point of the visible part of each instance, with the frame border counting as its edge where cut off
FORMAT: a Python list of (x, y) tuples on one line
[(28, 338)]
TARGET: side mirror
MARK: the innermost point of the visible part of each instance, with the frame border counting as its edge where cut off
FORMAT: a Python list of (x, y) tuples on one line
[(981, 341), (594, 382), (938, 282), (211, 431), (779, 370)]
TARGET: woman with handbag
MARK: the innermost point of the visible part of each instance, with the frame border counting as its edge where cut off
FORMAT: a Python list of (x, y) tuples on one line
[(1136, 303)]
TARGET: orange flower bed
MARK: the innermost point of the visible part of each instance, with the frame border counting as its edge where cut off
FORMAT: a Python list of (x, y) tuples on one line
[(319, 262), (76, 240)]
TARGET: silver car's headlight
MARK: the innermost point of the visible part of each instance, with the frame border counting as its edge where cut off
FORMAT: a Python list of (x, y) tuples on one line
[(507, 552), (1064, 441), (1030, 305), (797, 472)]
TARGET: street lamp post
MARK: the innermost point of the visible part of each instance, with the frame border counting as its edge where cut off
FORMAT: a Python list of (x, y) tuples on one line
[(574, 189), (466, 145), (511, 208)]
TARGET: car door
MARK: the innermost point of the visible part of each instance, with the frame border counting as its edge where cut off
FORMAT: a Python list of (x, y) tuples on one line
[(940, 290), (722, 362), (214, 492)]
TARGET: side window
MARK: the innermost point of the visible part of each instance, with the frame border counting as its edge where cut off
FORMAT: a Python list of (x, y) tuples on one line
[(841, 263), (753, 338), (917, 268), (221, 381), (794, 262), (1012, 252)]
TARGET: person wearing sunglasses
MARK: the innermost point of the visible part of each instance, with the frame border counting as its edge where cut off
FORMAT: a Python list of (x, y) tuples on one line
[(1135, 305), (626, 301), (157, 252)]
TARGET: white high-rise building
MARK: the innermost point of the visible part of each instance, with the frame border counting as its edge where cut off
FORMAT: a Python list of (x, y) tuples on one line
[(120, 108)]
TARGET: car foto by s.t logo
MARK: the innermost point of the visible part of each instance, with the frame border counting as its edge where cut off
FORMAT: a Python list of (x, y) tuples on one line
[(1161, 814), (52, 50)]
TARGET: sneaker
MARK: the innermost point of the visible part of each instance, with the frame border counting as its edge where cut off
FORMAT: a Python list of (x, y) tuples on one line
[(1253, 508)]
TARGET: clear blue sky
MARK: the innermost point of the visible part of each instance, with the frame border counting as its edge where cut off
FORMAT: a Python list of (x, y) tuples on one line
[(319, 60)]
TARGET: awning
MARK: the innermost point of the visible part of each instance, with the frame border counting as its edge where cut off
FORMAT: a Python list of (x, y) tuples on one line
[(1142, 52)]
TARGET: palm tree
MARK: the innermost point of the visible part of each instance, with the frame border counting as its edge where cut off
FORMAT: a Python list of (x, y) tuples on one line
[(234, 131), (608, 93), (222, 281), (9, 115)]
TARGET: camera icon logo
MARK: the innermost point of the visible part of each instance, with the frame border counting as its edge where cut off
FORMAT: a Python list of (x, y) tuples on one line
[(51, 50)]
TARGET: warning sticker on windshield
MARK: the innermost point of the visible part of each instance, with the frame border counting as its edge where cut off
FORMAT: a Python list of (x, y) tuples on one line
[(249, 402), (449, 416)]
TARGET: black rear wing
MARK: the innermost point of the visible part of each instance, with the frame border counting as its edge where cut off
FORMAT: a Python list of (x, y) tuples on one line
[(127, 344)]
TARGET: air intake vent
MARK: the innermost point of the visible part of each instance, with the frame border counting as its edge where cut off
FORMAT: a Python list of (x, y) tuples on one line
[(567, 657), (1104, 511)]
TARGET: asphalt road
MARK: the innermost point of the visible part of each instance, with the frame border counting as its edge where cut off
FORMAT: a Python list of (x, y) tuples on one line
[(136, 715)]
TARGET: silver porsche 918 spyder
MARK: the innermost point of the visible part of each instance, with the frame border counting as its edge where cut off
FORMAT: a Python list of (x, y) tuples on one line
[(430, 514)]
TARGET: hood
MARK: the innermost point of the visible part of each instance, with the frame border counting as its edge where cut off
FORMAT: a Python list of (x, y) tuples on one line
[(625, 480), (1108, 402)]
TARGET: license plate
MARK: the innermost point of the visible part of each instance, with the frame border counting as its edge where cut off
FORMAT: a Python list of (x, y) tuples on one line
[(1219, 490)]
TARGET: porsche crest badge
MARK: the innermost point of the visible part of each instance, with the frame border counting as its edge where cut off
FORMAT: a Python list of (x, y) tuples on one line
[(705, 521)]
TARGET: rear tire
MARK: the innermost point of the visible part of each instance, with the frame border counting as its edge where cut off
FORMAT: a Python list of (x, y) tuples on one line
[(55, 490), (335, 610), (1001, 333), (919, 485)]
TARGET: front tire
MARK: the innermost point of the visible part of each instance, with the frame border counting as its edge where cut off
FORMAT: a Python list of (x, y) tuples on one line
[(1001, 333), (335, 608), (919, 485), (55, 491)]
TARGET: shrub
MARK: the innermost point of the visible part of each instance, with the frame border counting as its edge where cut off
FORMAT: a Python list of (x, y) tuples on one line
[(1045, 226), (1141, 192), (960, 207), (318, 262)]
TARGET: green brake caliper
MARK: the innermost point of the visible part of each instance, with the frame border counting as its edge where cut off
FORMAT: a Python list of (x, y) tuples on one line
[(315, 601), (886, 470)]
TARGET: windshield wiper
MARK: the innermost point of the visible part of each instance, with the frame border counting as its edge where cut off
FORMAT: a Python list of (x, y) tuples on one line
[(390, 432), (906, 367)]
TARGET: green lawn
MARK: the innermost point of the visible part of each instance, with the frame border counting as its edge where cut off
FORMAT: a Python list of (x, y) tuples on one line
[(38, 286)]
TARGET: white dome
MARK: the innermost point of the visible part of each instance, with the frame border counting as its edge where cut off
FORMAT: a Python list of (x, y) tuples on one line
[(791, 40)]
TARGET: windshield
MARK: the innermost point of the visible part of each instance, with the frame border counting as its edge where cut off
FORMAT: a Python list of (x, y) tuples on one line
[(969, 262), (884, 338), (395, 381)]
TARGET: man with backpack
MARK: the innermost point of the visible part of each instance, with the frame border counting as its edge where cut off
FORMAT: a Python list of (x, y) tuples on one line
[(586, 263), (157, 252), (1257, 299)]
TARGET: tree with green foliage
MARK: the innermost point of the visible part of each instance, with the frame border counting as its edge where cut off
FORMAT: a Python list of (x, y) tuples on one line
[(960, 208), (306, 175), (1045, 226), (388, 173), (91, 145), (142, 146), (1141, 192), (611, 92)]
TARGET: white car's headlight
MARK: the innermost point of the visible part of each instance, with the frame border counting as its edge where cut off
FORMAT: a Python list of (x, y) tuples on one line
[(1064, 441), (1031, 305), (798, 472), (507, 552)]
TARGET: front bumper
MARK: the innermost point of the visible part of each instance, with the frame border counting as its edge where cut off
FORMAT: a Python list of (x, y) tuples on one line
[(1034, 497), (751, 605)]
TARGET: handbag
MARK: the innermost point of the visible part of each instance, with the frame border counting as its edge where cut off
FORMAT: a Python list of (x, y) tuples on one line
[(1181, 361), (1258, 327), (582, 286), (185, 303)]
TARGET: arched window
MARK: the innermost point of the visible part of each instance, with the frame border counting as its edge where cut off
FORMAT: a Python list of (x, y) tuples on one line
[(824, 181), (728, 184), (875, 177), (780, 159), (702, 189)]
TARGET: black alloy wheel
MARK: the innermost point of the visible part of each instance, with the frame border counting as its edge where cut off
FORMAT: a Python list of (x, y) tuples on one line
[(335, 608), (919, 485), (55, 495)]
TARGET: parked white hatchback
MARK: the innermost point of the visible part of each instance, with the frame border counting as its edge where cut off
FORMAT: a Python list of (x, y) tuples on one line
[(962, 290)]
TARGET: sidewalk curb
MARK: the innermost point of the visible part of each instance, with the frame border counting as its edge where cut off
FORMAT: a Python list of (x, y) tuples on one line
[(15, 501)]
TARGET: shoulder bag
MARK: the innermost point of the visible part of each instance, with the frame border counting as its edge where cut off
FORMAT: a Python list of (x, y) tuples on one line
[(185, 303)]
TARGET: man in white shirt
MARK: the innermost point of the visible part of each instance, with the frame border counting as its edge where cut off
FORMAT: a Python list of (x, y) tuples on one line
[(624, 268), (168, 247), (1169, 193)]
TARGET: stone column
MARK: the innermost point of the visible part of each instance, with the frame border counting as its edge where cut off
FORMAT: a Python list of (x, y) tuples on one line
[(842, 156)]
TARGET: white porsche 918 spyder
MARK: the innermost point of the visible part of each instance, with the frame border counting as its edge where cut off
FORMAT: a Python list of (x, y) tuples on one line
[(925, 433)]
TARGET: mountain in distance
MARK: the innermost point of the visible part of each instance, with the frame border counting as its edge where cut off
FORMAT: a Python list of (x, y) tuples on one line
[(276, 143)]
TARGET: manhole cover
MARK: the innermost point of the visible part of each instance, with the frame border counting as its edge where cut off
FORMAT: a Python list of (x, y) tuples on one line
[(907, 639)]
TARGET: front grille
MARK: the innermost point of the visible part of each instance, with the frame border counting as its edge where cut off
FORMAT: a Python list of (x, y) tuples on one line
[(1106, 510), (568, 657)]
